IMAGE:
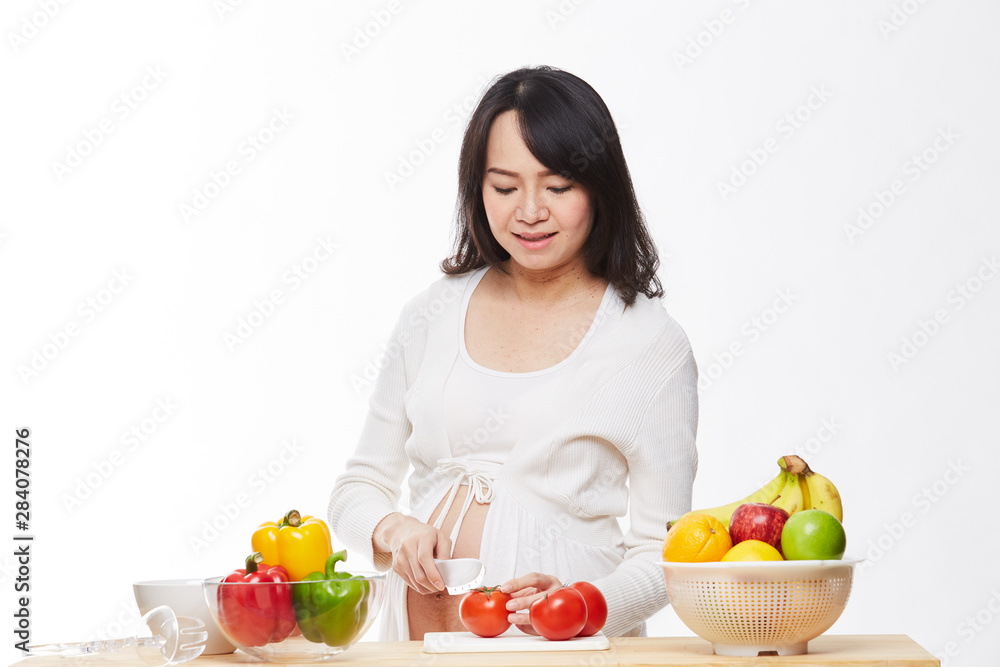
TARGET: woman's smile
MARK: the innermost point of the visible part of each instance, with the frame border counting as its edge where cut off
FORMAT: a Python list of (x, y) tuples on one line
[(535, 241)]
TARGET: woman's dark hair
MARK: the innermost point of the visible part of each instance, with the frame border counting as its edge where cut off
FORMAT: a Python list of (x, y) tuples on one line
[(568, 128)]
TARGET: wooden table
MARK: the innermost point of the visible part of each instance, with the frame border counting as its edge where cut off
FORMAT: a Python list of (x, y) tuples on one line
[(834, 650)]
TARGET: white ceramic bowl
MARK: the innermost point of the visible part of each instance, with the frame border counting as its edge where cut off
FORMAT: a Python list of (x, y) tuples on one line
[(186, 598)]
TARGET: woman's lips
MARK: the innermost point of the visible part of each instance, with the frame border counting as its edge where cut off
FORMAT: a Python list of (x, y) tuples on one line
[(535, 241)]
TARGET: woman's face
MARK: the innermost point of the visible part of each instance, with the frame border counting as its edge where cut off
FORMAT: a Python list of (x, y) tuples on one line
[(539, 217)]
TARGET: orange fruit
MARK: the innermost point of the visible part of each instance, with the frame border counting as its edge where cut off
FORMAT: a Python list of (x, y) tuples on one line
[(751, 550), (696, 538)]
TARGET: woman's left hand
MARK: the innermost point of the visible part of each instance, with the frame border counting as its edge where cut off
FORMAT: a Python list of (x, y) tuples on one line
[(523, 591)]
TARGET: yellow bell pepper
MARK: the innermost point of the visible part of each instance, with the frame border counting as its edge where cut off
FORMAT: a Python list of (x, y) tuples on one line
[(300, 544)]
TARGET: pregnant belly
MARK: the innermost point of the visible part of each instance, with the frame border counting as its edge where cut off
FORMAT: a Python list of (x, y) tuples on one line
[(438, 612)]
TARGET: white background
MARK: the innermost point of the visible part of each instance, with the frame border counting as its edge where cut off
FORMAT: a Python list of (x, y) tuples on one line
[(847, 96)]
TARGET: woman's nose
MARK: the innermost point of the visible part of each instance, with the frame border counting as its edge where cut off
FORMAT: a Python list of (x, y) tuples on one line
[(531, 209)]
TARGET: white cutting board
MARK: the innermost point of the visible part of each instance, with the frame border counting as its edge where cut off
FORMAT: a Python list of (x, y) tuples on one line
[(510, 641)]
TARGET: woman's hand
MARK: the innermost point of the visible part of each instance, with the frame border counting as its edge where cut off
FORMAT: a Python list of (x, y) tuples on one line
[(525, 590), (413, 545)]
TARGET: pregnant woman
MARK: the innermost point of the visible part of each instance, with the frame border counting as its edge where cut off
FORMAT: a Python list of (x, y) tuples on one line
[(538, 390)]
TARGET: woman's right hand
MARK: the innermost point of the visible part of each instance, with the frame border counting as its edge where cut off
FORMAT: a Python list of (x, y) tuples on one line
[(414, 545)]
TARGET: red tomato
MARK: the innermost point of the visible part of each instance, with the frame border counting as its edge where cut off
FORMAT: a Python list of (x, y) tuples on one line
[(597, 607), (561, 614), (483, 611)]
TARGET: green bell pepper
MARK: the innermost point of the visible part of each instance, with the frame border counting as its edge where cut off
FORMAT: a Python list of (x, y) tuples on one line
[(334, 608)]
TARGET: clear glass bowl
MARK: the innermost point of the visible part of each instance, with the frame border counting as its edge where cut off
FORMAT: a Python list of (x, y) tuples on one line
[(257, 617)]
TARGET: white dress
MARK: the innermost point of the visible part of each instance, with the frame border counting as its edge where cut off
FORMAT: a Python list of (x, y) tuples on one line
[(556, 452)]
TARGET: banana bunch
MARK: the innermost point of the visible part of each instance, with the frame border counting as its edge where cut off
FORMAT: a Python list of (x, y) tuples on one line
[(794, 489)]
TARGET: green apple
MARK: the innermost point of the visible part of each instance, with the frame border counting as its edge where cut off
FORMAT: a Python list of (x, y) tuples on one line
[(813, 535)]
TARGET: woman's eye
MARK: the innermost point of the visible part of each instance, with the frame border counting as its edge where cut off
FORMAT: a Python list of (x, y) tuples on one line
[(554, 190)]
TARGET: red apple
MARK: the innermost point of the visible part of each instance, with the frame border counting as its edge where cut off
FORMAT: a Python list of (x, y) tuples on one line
[(758, 521)]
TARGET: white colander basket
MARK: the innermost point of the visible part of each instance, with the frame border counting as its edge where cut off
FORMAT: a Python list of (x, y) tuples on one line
[(748, 608)]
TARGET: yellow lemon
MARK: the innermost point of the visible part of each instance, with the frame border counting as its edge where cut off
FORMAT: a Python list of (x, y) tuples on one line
[(751, 550)]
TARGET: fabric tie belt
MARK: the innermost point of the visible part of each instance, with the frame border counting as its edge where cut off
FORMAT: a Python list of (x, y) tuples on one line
[(478, 475)]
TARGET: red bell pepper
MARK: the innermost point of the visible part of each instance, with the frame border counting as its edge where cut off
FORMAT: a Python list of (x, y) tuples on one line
[(255, 603)]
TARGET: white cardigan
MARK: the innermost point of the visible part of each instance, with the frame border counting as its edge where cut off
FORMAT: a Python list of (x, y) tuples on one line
[(618, 436)]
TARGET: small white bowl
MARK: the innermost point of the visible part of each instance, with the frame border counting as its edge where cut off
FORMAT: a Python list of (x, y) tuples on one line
[(186, 598)]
